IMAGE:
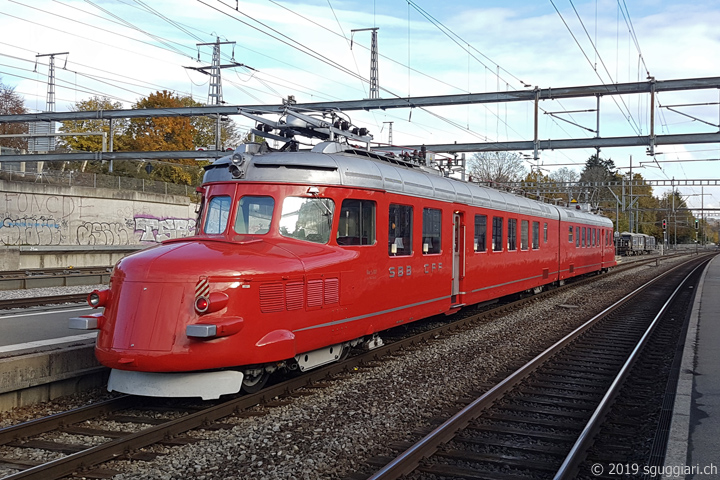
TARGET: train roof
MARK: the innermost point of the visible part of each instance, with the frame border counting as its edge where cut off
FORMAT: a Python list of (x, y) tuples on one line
[(631, 234), (332, 163)]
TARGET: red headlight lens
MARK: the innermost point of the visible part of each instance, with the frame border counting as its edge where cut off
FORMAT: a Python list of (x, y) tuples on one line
[(202, 304)]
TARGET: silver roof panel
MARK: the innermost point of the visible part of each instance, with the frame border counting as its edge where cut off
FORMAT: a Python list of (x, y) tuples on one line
[(348, 169)]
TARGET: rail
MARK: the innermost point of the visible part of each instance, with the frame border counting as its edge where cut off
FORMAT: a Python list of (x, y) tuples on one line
[(410, 459), (54, 277), (40, 301), (569, 467), (129, 442)]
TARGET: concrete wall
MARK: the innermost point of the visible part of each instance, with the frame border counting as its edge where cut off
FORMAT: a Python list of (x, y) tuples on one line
[(69, 222), (39, 377)]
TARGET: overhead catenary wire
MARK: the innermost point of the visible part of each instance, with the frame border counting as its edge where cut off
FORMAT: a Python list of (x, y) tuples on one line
[(69, 33), (302, 48), (131, 80), (629, 116), (460, 41), (94, 40), (455, 125), (414, 118)]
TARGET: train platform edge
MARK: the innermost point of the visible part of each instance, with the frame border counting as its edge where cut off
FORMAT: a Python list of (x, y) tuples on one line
[(694, 442)]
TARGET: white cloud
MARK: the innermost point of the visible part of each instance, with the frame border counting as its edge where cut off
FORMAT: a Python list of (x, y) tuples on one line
[(527, 39)]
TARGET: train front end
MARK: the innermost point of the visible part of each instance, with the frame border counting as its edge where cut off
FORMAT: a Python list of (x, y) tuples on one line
[(177, 319)]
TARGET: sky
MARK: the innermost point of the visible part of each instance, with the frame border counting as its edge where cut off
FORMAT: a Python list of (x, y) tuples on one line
[(127, 49)]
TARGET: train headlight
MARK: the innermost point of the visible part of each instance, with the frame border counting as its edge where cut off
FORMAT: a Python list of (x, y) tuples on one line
[(212, 303), (98, 298)]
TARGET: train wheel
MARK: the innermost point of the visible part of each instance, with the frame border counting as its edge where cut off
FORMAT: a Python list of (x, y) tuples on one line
[(254, 382), (345, 352)]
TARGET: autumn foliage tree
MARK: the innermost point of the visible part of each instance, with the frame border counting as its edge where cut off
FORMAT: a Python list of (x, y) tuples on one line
[(164, 134), (205, 128), (148, 134), (160, 133), (94, 143), (12, 104)]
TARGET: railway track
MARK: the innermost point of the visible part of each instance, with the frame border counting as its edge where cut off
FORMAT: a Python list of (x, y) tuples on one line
[(40, 301), (108, 443), (53, 277), (542, 420)]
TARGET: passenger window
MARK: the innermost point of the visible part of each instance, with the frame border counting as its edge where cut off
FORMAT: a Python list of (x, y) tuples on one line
[(480, 233), (512, 234), (584, 236), (545, 231), (497, 244), (308, 219), (570, 233), (217, 215), (431, 230), (400, 230), (357, 223), (254, 215), (577, 236), (536, 235), (524, 234)]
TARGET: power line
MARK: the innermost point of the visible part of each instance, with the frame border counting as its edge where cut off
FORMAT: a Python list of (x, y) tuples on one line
[(94, 40), (633, 124), (430, 77), (631, 29), (169, 20), (308, 51)]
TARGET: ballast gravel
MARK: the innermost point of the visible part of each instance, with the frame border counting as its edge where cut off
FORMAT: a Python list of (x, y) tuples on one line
[(334, 432)]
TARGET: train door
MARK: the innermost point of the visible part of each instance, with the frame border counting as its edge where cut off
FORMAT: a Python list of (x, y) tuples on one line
[(458, 263)]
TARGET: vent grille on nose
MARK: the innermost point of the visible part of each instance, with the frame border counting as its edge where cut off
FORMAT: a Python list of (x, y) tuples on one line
[(294, 295), (315, 293), (332, 291), (272, 298)]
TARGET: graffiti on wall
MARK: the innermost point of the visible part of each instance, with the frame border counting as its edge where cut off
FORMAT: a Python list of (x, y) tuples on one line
[(157, 230), (56, 206), (55, 219), (31, 230), (104, 233), (132, 232)]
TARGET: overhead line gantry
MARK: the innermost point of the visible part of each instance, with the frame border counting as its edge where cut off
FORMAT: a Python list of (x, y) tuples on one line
[(535, 95)]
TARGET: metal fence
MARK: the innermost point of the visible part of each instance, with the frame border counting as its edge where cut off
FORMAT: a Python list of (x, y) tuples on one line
[(95, 180)]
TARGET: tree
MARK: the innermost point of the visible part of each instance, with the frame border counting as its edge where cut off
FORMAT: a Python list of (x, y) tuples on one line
[(165, 134), (205, 128), (680, 221), (160, 133), (598, 170), (566, 176), (94, 143), (644, 207), (12, 104), (497, 167)]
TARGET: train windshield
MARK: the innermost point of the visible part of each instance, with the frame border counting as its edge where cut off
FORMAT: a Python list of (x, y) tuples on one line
[(307, 219), (254, 215), (217, 215)]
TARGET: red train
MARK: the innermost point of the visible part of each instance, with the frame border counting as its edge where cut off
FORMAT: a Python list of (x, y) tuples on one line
[(301, 255)]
